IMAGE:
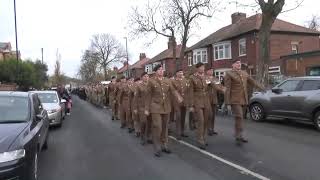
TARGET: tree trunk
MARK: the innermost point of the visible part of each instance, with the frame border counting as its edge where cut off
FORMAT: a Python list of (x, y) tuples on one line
[(105, 73), (183, 47), (264, 50)]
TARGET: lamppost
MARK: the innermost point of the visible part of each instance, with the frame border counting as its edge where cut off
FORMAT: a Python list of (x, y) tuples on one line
[(16, 33), (127, 56)]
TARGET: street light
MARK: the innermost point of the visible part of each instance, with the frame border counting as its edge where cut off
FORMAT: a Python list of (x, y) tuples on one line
[(16, 33), (127, 55)]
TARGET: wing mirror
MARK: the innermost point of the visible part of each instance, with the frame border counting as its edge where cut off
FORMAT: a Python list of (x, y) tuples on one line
[(277, 91), (63, 101), (39, 117)]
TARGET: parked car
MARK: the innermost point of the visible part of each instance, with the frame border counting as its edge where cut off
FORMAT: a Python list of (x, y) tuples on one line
[(54, 106), (24, 132), (295, 98)]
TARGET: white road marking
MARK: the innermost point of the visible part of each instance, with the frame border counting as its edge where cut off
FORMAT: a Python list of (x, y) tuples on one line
[(242, 169)]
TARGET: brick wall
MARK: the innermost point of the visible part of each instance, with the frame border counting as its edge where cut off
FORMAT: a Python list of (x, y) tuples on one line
[(280, 44), (299, 66)]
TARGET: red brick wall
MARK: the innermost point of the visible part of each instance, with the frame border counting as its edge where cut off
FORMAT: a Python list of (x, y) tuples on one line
[(298, 67), (280, 44)]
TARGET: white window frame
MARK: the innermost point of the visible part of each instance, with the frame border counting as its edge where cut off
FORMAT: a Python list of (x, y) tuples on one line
[(189, 60), (243, 42), (148, 68), (295, 47), (164, 65), (200, 53), (223, 45), (220, 73)]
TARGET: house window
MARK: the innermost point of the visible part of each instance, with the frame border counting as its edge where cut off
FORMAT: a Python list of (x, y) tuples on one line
[(294, 48), (148, 68), (200, 55), (189, 60), (164, 65), (242, 47), (219, 74), (222, 51)]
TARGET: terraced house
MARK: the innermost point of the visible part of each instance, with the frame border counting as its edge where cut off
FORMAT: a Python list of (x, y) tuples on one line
[(239, 40)]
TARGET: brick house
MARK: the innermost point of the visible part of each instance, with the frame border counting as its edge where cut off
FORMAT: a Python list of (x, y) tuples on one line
[(239, 40), (6, 51), (166, 59), (135, 70), (124, 69)]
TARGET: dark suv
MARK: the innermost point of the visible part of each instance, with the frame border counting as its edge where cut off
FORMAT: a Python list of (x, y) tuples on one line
[(295, 98), (23, 133)]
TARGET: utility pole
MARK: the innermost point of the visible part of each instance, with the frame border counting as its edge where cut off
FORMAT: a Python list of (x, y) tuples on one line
[(42, 55), (16, 33), (127, 55)]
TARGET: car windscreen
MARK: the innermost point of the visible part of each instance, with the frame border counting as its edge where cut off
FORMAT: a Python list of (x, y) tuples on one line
[(14, 109), (48, 97)]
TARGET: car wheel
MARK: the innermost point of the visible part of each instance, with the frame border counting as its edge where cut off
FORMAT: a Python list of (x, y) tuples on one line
[(257, 112), (316, 120), (34, 168)]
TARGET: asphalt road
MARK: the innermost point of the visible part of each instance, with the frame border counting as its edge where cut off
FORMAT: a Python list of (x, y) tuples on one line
[(91, 146)]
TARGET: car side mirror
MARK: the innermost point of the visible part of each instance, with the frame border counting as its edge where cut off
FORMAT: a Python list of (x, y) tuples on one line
[(277, 91), (39, 117), (63, 101)]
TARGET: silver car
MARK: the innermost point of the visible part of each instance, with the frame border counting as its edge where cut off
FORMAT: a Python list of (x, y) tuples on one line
[(53, 105), (295, 98)]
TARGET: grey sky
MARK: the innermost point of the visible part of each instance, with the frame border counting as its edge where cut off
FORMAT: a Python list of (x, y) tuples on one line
[(69, 25)]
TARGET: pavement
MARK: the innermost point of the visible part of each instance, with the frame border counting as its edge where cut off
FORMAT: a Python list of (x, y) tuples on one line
[(91, 146)]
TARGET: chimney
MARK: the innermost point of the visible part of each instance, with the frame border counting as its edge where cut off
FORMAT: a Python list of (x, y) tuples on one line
[(115, 68), (237, 17), (125, 63), (142, 56), (172, 43)]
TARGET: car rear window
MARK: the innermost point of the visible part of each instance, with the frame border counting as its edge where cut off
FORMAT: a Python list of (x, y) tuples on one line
[(309, 85), (48, 97), (14, 108)]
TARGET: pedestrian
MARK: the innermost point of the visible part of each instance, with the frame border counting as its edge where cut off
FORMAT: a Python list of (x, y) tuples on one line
[(181, 84), (199, 103), (214, 87), (139, 108), (236, 82), (124, 102), (158, 105), (112, 97)]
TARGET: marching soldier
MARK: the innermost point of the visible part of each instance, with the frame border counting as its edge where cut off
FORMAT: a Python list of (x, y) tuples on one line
[(139, 107), (158, 105), (112, 90), (181, 85), (199, 103), (130, 121), (124, 103), (236, 82), (214, 87)]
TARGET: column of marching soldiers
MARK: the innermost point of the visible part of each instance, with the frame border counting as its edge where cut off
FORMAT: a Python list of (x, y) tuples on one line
[(146, 105)]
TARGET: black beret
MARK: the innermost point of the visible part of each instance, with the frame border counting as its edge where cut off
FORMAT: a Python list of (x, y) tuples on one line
[(199, 64), (235, 60), (157, 67), (178, 70)]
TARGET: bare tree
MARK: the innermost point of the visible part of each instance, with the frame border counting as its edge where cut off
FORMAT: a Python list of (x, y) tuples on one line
[(314, 23), (58, 76), (171, 17), (108, 50), (270, 11), (89, 66)]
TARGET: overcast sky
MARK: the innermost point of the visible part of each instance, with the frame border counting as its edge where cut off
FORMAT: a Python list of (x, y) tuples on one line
[(68, 25)]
